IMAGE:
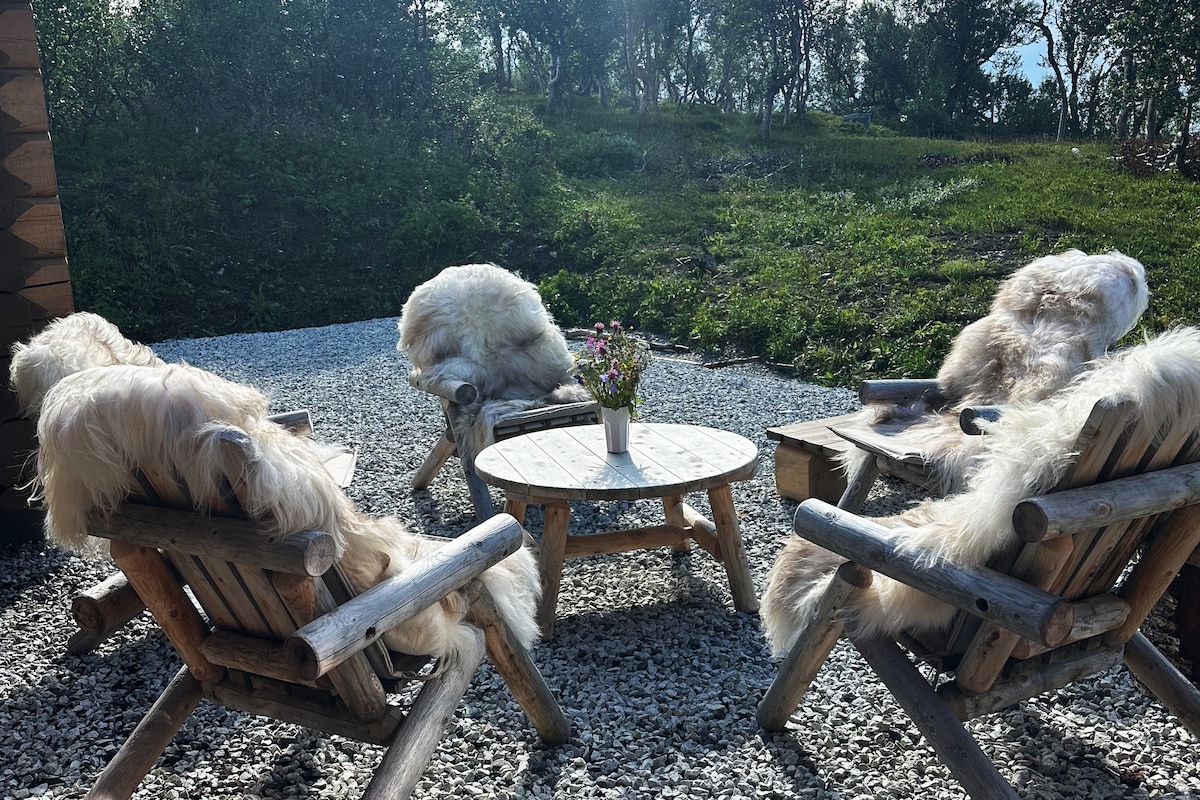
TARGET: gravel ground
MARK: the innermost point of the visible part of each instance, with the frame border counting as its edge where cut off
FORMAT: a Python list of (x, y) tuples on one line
[(659, 675)]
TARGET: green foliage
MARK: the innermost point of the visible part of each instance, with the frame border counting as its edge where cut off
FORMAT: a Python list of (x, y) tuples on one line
[(840, 254)]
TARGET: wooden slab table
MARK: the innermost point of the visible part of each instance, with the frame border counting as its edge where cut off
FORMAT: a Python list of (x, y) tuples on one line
[(555, 466)]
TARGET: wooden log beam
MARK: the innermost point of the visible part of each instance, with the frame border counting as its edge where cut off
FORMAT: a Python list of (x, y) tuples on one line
[(811, 648), (316, 709), (433, 463), (1100, 504), (703, 531), (1166, 682), (250, 654), (245, 541), (332, 638), (595, 544), (520, 674), (971, 420), (1028, 682), (110, 602), (1154, 571), (1093, 616), (733, 549), (174, 611), (953, 744), (983, 592), (418, 736), (1039, 565), (121, 777), (101, 611), (446, 387), (886, 390)]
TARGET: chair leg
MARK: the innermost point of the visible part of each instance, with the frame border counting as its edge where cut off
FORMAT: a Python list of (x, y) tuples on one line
[(520, 674), (481, 498), (1167, 683), (957, 749), (437, 458), (121, 777), (811, 648), (859, 486), (409, 753)]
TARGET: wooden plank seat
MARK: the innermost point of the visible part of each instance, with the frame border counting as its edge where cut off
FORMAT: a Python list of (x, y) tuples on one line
[(275, 628), (1092, 557)]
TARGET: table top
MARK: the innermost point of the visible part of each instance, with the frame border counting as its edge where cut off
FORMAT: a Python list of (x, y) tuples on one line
[(572, 463)]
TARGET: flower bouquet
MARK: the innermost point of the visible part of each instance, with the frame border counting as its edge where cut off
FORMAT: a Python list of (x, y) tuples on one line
[(610, 367)]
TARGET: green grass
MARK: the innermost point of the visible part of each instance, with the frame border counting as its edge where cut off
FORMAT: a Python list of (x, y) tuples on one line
[(843, 253)]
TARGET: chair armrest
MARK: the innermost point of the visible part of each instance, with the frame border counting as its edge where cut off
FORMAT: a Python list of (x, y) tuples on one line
[(970, 417), (986, 593), (448, 388), (333, 637), (890, 390)]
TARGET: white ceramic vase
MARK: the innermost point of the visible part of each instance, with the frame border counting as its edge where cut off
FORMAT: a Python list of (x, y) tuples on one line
[(616, 428)]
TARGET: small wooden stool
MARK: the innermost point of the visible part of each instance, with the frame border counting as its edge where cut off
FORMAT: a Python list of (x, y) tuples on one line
[(806, 459)]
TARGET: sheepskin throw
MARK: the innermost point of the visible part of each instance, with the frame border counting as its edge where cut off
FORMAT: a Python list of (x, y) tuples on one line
[(99, 424), (67, 345), (1024, 454), (482, 324), (1048, 319)]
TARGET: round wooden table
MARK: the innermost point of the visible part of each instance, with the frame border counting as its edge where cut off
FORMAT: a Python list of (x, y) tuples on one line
[(555, 466)]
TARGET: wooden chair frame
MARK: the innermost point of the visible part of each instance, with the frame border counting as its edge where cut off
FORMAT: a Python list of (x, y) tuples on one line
[(459, 401), (279, 632), (1047, 612)]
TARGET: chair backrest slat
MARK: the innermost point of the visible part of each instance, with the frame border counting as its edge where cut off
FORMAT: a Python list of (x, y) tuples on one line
[(1113, 443)]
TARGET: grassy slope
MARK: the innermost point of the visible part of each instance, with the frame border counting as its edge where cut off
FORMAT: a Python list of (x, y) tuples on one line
[(852, 253), (846, 253)]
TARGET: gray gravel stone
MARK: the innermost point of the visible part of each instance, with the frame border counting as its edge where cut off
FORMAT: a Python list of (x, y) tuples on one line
[(659, 675)]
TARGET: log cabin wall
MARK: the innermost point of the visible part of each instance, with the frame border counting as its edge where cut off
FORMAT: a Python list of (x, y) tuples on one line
[(34, 283)]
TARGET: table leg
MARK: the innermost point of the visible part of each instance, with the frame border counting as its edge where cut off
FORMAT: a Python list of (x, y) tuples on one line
[(516, 508), (550, 561), (673, 510), (733, 551)]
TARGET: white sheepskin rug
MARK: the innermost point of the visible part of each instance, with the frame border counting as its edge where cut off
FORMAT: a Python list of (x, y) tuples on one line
[(1047, 320), (68, 345), (483, 325), (1024, 454), (99, 424)]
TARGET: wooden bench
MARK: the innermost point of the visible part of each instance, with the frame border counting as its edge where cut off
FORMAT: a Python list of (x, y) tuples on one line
[(806, 459)]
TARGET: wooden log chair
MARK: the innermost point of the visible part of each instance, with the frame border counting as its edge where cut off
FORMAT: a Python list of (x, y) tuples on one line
[(276, 628), (481, 341), (1047, 321), (1080, 563)]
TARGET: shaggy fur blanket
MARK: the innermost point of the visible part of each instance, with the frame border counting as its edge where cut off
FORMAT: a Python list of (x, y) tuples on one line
[(68, 345), (1047, 320), (98, 424), (482, 324), (1024, 453)]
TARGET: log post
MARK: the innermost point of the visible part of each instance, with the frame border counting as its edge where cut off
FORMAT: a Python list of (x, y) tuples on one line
[(103, 610), (733, 550), (519, 672), (417, 737), (121, 777), (808, 653), (154, 581), (949, 738)]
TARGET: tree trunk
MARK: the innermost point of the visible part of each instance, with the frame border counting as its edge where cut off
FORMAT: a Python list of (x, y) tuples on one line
[(554, 90)]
